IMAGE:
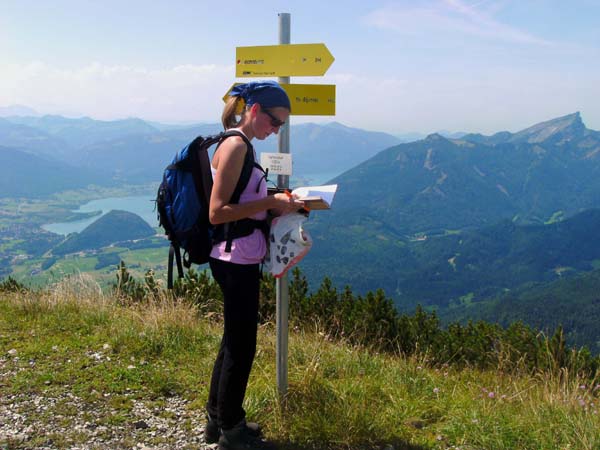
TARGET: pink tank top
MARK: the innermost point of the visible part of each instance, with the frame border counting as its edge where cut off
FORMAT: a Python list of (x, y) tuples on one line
[(248, 249)]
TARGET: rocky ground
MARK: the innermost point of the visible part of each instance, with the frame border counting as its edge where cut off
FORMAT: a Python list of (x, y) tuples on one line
[(51, 421), (147, 427)]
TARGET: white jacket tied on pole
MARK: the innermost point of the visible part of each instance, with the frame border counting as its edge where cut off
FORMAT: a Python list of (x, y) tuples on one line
[(288, 243)]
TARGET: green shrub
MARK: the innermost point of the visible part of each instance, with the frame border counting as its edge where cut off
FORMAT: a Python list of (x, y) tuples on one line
[(11, 285), (372, 321)]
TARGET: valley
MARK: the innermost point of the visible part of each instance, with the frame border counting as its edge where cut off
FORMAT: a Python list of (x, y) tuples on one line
[(463, 226), (25, 247)]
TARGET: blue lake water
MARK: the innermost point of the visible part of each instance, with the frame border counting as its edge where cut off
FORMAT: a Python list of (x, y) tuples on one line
[(143, 206)]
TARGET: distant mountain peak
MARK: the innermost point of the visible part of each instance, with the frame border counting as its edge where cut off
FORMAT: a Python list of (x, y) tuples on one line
[(565, 127), (435, 137), (17, 110), (335, 124)]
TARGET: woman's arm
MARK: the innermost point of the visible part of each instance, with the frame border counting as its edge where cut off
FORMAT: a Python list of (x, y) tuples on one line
[(229, 162)]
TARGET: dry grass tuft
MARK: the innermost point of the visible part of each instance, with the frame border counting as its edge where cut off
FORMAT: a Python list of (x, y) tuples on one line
[(164, 311)]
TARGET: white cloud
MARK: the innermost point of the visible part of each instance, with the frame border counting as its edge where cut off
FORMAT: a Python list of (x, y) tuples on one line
[(425, 18), (488, 101), (180, 93)]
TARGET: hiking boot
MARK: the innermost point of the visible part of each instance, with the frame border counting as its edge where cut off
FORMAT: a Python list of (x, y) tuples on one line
[(212, 431), (242, 437)]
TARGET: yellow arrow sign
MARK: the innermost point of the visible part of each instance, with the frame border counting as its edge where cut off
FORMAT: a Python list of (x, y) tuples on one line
[(311, 99), (308, 99), (282, 60)]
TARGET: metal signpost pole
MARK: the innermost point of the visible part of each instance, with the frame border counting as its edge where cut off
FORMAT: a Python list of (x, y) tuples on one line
[(281, 286), (283, 61)]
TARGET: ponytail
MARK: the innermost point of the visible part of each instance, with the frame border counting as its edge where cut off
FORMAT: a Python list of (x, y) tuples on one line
[(231, 110)]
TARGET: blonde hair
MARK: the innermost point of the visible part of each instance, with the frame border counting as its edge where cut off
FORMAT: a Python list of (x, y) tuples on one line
[(234, 107)]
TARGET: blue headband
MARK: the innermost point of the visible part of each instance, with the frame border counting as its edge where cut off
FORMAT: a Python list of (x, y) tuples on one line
[(268, 94)]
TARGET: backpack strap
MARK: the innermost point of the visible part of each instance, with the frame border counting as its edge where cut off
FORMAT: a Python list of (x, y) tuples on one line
[(249, 163), (174, 251), (245, 227), (198, 155), (231, 230)]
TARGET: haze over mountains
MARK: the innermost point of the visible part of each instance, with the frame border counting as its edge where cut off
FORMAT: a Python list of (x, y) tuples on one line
[(442, 184), (438, 186), (134, 151), (23, 174), (468, 225), (17, 110)]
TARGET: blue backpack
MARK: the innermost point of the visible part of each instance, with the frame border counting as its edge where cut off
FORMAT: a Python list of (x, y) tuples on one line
[(184, 196)]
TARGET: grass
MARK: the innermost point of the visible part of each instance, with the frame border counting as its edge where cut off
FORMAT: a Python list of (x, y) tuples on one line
[(146, 257), (72, 340), (138, 261)]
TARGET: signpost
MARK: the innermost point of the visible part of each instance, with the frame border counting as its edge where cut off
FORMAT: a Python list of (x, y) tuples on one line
[(311, 99), (282, 61), (308, 99), (282, 293)]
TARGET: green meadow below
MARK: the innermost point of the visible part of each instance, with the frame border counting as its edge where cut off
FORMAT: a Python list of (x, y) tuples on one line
[(80, 368)]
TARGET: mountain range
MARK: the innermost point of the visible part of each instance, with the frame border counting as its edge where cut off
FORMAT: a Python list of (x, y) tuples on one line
[(437, 186), (474, 226), (441, 184), (23, 174), (17, 110), (134, 151), (77, 133)]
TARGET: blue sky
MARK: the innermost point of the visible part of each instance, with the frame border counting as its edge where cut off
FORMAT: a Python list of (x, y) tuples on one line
[(401, 66)]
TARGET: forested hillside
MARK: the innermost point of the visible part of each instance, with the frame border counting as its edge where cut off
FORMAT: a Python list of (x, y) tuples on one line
[(571, 302), (434, 187), (113, 227)]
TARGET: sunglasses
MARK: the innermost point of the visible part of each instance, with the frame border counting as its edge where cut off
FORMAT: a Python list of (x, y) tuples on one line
[(274, 120)]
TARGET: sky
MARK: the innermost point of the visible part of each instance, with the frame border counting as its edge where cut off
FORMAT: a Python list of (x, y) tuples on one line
[(400, 66)]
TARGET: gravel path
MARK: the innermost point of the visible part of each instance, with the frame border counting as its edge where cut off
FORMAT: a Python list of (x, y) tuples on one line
[(50, 421), (146, 427)]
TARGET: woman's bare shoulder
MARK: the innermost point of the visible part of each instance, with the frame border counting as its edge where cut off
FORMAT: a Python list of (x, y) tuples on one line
[(232, 148)]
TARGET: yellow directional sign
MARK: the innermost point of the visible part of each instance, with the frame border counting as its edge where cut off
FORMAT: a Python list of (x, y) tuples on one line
[(282, 60), (308, 99), (311, 99)]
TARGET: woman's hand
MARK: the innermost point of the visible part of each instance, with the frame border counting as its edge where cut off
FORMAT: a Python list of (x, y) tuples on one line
[(285, 203)]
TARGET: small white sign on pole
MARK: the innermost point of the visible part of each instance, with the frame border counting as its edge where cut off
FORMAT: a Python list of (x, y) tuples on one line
[(277, 163)]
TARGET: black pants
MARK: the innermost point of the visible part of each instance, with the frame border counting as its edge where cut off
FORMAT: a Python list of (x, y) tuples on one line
[(240, 286)]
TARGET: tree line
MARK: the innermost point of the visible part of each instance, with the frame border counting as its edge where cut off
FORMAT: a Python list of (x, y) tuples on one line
[(372, 321)]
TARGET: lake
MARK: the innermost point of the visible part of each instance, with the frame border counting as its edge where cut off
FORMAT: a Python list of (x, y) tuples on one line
[(143, 206)]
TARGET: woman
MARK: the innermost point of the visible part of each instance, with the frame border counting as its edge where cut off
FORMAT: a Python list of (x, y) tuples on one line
[(235, 267)]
